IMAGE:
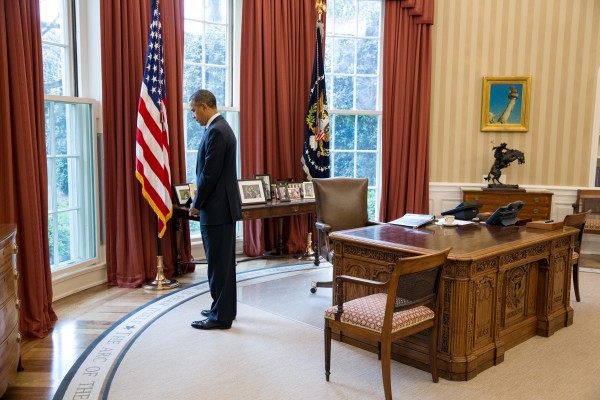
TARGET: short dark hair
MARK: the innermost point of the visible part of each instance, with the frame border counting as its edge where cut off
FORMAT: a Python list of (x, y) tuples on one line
[(204, 96)]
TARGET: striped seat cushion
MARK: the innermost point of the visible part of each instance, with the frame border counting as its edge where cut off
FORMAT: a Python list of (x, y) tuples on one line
[(368, 312)]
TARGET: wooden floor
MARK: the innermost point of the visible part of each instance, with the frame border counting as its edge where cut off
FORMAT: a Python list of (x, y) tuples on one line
[(82, 317)]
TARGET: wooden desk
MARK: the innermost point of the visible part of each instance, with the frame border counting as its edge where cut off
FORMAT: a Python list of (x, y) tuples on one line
[(499, 287), (271, 209), (537, 203)]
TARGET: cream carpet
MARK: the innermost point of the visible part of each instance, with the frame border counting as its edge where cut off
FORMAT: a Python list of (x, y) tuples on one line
[(275, 351)]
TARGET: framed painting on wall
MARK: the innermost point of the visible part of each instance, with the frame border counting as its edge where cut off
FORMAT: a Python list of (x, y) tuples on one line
[(505, 104)]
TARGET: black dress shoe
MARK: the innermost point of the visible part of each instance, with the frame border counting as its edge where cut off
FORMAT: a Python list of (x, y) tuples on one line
[(207, 324)]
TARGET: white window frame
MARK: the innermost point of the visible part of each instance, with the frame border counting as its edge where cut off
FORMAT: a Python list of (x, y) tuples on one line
[(330, 36)]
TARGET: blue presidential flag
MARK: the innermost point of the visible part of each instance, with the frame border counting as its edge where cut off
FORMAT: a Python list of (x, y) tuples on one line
[(315, 157)]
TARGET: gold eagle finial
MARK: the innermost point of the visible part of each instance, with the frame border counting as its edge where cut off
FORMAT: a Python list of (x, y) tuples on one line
[(321, 7)]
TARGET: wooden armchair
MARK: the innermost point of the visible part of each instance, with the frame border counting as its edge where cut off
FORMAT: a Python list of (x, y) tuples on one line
[(407, 304), (577, 221), (589, 199), (341, 203)]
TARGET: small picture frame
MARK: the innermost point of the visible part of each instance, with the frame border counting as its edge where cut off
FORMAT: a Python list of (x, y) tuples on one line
[(251, 191), (505, 103), (282, 192), (308, 190), (266, 179), (274, 195), (294, 191), (295, 185), (182, 192)]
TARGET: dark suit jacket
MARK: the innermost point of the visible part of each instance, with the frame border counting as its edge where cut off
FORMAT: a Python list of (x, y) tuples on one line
[(217, 196)]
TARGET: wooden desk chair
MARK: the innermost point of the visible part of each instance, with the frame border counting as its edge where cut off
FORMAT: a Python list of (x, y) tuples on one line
[(407, 304), (341, 203), (589, 199), (577, 221)]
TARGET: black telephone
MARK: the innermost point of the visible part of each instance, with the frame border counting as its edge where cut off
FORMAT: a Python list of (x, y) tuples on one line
[(506, 215)]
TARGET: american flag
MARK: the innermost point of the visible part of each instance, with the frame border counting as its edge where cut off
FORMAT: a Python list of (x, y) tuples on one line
[(152, 167)]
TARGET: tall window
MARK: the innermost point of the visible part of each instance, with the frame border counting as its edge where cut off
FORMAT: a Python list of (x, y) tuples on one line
[(353, 76), (57, 50), (72, 194), (208, 64)]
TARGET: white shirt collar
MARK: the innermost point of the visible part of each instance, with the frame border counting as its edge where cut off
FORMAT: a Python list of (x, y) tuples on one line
[(211, 119)]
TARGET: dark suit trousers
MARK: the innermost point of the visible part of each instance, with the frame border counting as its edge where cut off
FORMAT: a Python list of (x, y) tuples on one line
[(219, 246)]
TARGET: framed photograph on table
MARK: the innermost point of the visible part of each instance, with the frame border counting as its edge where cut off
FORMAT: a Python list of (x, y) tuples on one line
[(505, 104), (282, 192), (266, 179), (251, 191), (308, 190), (182, 192), (294, 192)]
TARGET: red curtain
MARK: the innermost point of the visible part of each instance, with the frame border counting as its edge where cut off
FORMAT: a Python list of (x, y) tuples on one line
[(406, 102), (24, 179), (131, 225), (278, 42)]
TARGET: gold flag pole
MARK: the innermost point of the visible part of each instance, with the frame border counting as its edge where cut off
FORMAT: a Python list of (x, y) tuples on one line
[(160, 282)]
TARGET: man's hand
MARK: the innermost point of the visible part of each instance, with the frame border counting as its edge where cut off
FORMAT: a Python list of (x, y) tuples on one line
[(194, 212)]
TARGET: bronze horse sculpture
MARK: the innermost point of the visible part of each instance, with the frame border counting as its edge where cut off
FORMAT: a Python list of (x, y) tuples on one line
[(504, 157)]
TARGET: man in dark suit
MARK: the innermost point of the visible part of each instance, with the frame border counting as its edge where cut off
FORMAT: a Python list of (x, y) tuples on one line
[(218, 205)]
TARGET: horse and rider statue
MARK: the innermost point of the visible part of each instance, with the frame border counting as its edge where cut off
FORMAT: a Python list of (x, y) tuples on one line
[(503, 158)]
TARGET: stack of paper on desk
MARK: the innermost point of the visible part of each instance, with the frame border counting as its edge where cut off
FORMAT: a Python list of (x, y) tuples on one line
[(413, 220)]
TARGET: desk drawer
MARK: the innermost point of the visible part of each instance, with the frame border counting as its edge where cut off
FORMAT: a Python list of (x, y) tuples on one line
[(9, 359), (8, 316)]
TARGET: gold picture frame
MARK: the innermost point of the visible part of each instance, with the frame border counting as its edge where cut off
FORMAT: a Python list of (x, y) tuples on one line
[(505, 104)]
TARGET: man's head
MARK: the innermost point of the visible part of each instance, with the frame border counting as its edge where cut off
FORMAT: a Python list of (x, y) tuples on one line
[(203, 105)]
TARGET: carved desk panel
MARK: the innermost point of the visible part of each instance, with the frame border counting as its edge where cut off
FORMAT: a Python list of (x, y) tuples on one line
[(499, 287)]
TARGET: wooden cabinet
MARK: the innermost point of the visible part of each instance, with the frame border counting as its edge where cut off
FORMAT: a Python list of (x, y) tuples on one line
[(9, 314), (537, 203)]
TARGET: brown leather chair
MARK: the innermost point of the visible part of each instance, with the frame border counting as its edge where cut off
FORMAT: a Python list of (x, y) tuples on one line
[(341, 203), (405, 304), (576, 221)]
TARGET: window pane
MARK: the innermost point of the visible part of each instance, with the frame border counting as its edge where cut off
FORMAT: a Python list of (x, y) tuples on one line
[(59, 125), (343, 57), (193, 45), (368, 167), (51, 229), (53, 69), (366, 93), (328, 50), (343, 164), (371, 206), (368, 128), (64, 236), (193, 9), (369, 16), (216, 11), (367, 56), (62, 184), (343, 92), (215, 82), (343, 132), (344, 14), (192, 80), (190, 165), (216, 44), (51, 21)]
